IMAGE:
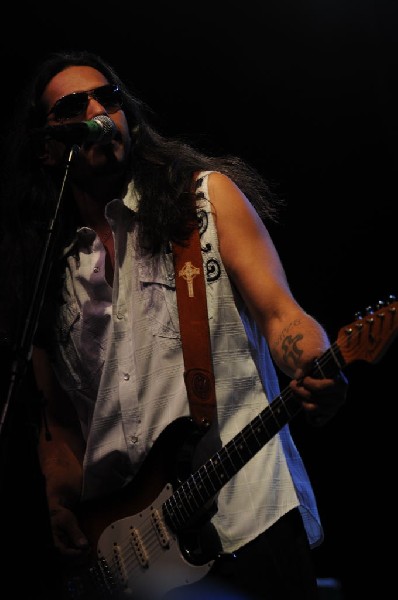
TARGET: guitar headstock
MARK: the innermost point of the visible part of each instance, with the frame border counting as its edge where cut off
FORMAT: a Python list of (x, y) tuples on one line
[(369, 337)]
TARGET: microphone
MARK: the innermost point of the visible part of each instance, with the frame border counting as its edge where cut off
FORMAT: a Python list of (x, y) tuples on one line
[(99, 130)]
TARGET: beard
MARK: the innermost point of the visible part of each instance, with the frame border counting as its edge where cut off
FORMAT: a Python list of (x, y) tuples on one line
[(100, 169)]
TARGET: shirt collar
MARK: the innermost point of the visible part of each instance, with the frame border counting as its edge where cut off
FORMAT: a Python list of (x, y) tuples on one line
[(86, 235)]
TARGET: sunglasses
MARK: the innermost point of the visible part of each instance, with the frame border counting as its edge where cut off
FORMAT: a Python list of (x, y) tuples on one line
[(75, 104)]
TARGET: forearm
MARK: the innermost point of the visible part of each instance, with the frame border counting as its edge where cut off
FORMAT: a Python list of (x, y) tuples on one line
[(61, 445), (62, 469), (296, 341)]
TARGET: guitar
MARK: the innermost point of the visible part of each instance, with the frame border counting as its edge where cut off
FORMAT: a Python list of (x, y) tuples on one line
[(147, 539)]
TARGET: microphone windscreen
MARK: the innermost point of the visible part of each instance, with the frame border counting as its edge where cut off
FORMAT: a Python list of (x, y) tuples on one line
[(103, 131)]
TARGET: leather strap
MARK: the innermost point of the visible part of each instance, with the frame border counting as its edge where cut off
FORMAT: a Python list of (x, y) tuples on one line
[(194, 328)]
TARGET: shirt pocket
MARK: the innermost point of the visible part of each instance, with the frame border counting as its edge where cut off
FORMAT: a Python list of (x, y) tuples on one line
[(79, 347), (157, 281)]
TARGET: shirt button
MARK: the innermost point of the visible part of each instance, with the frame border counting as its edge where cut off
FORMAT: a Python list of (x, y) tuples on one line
[(133, 440), (96, 269), (119, 316), (126, 377)]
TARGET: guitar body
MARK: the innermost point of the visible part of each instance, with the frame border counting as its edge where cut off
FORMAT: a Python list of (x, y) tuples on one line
[(136, 554)]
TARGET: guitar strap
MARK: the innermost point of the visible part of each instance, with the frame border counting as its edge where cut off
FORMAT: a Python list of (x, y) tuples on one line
[(194, 328)]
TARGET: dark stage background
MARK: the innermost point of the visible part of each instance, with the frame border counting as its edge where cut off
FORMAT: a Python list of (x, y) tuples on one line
[(307, 92)]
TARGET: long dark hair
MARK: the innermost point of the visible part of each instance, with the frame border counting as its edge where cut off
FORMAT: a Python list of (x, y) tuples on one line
[(162, 169)]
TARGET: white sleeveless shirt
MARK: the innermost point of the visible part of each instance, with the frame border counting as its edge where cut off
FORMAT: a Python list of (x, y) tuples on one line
[(119, 358)]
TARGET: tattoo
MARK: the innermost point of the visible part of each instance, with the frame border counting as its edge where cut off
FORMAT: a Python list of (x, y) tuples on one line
[(291, 352), (286, 330), (289, 344)]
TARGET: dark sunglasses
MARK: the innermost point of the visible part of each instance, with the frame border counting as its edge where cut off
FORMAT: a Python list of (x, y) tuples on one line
[(75, 104)]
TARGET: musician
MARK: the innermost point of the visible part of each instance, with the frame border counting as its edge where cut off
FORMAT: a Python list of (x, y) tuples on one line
[(107, 353)]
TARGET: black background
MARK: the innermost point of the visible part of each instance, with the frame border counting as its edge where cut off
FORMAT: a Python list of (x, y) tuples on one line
[(306, 92)]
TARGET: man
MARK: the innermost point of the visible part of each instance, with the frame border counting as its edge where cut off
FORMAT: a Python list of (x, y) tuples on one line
[(108, 360)]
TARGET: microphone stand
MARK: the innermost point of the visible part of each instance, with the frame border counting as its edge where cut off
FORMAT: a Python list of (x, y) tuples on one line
[(24, 346), (20, 361)]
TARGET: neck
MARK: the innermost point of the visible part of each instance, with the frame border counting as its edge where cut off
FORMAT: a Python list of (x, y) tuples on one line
[(91, 200), (92, 211)]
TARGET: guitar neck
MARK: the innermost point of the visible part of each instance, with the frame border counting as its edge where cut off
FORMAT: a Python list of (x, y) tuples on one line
[(207, 481)]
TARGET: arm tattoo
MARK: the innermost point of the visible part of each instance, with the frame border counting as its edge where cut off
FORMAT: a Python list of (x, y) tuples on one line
[(291, 351)]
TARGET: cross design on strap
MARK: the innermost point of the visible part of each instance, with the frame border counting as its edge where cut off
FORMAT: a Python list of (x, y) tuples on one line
[(188, 272)]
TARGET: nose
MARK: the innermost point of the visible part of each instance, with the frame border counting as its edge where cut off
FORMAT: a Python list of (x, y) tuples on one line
[(94, 108)]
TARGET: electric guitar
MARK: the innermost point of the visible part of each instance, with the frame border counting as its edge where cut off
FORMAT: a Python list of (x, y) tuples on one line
[(155, 535)]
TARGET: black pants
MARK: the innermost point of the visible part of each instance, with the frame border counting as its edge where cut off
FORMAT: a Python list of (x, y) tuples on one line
[(277, 565)]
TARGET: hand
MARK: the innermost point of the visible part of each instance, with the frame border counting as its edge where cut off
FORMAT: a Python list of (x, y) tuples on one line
[(68, 538), (321, 398)]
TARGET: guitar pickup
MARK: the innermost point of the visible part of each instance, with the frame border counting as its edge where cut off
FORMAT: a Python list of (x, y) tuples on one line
[(119, 565), (139, 548), (160, 528)]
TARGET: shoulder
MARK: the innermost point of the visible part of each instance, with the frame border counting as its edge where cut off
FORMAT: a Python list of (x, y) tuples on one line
[(228, 201), (218, 188), (211, 177)]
